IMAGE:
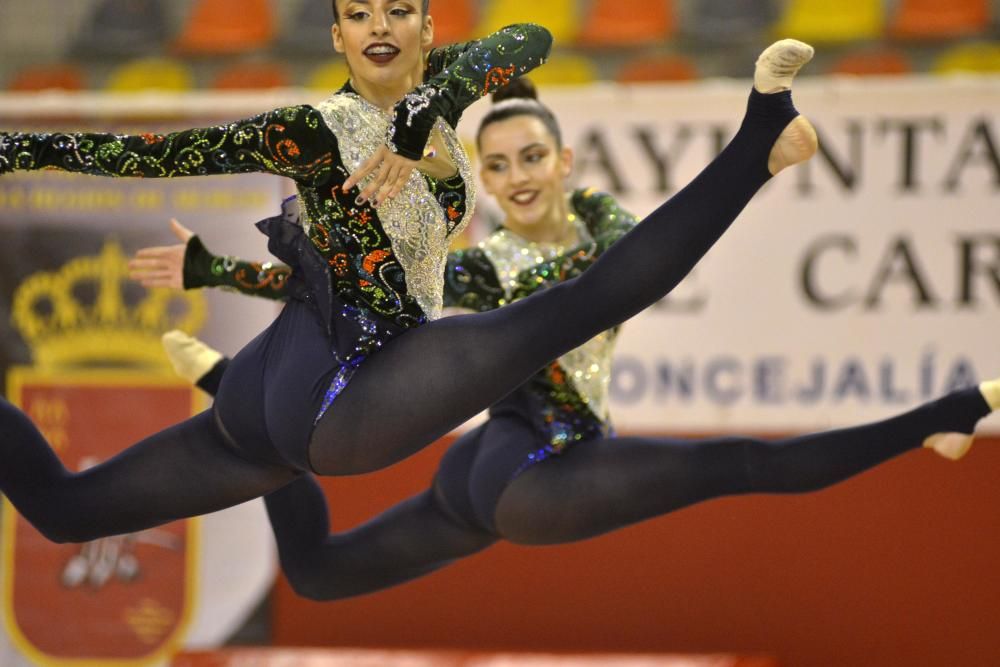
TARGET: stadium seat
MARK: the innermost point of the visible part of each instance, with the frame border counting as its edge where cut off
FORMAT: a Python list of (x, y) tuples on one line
[(663, 68), (47, 77), (150, 74), (623, 23), (933, 19), (980, 58), (219, 27), (122, 28), (565, 70), (328, 78), (453, 20), (876, 62), (828, 21), (252, 76), (728, 20), (559, 16), (308, 32)]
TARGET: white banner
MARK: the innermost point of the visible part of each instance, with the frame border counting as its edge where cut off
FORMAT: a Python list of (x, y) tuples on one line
[(849, 289)]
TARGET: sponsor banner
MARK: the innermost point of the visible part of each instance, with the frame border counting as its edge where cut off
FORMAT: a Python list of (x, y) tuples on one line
[(850, 288)]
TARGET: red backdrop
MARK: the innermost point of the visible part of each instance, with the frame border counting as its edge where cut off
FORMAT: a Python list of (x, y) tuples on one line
[(900, 565)]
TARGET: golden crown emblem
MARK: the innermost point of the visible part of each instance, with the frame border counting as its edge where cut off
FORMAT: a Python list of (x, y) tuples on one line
[(64, 331)]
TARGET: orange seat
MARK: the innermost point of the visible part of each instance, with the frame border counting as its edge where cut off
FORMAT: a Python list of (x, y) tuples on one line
[(453, 20), (47, 77), (252, 76), (873, 63), (663, 68), (218, 27), (933, 19), (628, 22)]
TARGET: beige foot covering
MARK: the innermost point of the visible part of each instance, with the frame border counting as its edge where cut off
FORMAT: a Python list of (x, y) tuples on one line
[(952, 446), (778, 64), (991, 392), (776, 68), (190, 357), (956, 445)]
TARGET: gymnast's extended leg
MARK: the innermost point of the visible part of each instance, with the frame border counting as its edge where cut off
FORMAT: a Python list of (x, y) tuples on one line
[(416, 537), (183, 471), (601, 485), (423, 384)]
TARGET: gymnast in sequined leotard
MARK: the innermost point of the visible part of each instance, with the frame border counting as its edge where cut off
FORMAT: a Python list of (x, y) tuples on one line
[(366, 338), (545, 468)]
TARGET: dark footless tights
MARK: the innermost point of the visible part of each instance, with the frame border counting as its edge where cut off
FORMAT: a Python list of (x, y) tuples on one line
[(595, 487), (414, 390), (185, 470), (428, 381)]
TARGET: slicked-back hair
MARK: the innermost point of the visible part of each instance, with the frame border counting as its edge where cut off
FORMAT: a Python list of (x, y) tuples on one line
[(519, 98)]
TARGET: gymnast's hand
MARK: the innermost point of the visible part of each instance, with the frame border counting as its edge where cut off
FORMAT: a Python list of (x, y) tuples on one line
[(391, 171), (162, 266)]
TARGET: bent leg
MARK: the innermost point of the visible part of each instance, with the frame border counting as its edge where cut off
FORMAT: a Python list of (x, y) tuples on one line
[(182, 471), (601, 485), (409, 540), (426, 382)]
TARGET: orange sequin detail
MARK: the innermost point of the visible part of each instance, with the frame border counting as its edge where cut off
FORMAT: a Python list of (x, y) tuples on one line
[(339, 264), (498, 77), (373, 258)]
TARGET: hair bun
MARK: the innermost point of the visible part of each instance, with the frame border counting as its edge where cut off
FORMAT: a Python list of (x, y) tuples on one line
[(518, 89)]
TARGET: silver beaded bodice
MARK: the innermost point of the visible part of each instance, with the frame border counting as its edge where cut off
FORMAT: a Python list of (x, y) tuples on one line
[(416, 224), (587, 367)]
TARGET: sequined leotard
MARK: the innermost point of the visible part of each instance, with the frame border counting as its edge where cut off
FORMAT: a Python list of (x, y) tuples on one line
[(422, 384), (371, 273), (567, 400), (388, 262)]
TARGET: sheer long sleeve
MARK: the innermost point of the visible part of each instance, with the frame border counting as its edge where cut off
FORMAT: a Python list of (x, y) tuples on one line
[(460, 74), (605, 218), (202, 268), (291, 141), (471, 282)]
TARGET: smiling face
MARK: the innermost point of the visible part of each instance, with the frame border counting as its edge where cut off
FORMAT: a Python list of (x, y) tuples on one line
[(384, 42), (525, 171)]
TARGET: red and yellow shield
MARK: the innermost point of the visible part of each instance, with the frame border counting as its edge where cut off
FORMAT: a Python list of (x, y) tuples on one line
[(123, 600), (100, 383)]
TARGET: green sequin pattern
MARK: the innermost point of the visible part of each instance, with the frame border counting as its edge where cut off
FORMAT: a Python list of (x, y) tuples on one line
[(297, 143)]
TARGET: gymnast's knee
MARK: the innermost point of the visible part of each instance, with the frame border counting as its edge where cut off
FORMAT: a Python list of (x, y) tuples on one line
[(306, 584)]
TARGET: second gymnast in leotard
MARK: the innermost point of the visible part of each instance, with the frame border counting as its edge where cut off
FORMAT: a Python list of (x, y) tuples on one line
[(545, 468)]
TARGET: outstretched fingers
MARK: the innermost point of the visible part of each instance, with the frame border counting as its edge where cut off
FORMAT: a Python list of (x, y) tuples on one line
[(390, 173), (158, 267)]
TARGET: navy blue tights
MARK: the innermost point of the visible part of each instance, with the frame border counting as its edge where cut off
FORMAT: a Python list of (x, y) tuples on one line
[(595, 487), (417, 388)]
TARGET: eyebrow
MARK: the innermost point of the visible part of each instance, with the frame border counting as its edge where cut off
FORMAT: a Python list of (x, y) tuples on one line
[(501, 156)]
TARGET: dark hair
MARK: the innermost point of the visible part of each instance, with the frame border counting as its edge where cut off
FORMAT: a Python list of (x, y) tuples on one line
[(336, 14), (519, 98)]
